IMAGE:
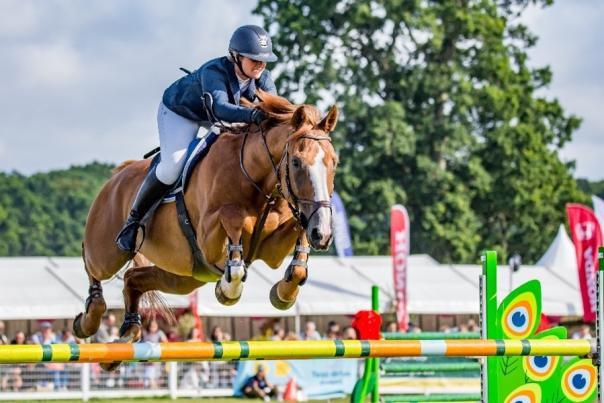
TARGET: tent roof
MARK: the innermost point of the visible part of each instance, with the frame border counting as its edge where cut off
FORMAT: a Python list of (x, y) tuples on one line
[(53, 288), (42, 287)]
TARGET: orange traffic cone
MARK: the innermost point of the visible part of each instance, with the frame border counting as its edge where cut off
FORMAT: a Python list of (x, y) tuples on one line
[(290, 394)]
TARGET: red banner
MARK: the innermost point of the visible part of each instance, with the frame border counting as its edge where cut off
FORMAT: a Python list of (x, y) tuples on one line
[(587, 237), (399, 246)]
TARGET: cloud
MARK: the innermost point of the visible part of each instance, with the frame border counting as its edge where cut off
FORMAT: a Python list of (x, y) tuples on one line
[(570, 43), (48, 64), (81, 81), (17, 19)]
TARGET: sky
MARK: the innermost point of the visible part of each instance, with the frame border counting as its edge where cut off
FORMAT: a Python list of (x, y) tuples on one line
[(81, 80)]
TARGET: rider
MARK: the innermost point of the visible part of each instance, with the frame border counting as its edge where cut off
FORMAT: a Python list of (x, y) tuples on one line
[(182, 114)]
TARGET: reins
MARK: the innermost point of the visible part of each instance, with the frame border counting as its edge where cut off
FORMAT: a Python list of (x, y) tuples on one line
[(278, 190)]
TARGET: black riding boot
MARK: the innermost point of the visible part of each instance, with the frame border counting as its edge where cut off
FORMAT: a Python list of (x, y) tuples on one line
[(149, 193)]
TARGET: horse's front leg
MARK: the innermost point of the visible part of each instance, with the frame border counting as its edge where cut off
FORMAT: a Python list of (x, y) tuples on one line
[(230, 286), (284, 293)]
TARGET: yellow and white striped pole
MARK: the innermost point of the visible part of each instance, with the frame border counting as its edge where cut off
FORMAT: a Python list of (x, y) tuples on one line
[(272, 350)]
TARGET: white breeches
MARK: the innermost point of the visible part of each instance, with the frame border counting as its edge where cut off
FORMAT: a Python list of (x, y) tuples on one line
[(175, 135)]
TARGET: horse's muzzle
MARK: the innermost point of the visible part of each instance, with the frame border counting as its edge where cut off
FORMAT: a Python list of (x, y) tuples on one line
[(320, 240)]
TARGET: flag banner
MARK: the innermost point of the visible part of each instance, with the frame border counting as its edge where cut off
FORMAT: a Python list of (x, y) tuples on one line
[(342, 230), (587, 237), (399, 246)]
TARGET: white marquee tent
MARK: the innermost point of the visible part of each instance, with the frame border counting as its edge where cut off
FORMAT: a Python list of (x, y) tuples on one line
[(42, 287)]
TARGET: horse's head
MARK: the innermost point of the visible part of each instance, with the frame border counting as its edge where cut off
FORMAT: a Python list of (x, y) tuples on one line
[(309, 171)]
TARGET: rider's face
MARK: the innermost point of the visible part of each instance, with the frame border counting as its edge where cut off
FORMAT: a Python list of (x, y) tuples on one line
[(252, 68)]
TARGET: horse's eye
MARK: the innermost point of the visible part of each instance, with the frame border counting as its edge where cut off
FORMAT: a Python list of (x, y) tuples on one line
[(296, 163)]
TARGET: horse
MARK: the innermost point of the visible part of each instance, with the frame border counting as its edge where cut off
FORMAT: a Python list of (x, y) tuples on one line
[(279, 174)]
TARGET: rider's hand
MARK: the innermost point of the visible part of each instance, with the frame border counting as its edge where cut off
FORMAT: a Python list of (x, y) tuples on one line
[(258, 116)]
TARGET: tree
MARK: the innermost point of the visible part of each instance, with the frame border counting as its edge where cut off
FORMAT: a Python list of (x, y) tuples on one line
[(439, 112), (44, 215)]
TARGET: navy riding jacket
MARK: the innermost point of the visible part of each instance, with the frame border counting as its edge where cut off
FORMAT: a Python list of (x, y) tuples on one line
[(184, 96)]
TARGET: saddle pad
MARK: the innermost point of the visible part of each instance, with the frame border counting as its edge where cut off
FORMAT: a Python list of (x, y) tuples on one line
[(198, 149)]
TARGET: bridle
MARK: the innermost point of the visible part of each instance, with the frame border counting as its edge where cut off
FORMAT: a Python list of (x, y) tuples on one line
[(278, 190)]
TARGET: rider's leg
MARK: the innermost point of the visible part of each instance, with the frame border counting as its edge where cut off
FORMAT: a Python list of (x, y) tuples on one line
[(175, 134)]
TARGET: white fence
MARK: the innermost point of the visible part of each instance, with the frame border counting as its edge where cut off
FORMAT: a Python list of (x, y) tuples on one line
[(85, 381)]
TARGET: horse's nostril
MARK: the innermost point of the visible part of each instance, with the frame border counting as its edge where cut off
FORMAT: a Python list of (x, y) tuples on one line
[(315, 235)]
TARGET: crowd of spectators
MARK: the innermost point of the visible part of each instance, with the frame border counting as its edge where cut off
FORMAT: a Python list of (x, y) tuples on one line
[(59, 376)]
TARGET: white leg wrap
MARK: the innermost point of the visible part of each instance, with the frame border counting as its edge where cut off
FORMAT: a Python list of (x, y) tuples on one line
[(233, 289)]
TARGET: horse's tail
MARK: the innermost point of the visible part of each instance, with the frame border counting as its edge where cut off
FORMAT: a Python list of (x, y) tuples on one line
[(122, 166), (154, 305)]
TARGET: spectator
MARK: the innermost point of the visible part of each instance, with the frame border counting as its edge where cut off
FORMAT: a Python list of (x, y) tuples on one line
[(584, 332), (392, 327), (217, 334), (278, 332), (11, 377), (19, 338), (259, 387), (195, 374), (173, 335), (45, 335), (106, 331), (349, 333), (152, 370), (291, 335), (3, 337), (310, 332), (68, 337), (333, 331), (472, 326)]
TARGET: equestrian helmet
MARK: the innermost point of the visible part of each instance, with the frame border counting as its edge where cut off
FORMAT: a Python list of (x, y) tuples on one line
[(253, 42)]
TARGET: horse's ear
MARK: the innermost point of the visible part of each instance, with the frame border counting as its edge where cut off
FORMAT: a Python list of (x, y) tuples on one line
[(302, 117), (329, 122)]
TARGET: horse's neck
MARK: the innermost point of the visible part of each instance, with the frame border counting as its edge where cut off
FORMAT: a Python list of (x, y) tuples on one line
[(262, 171)]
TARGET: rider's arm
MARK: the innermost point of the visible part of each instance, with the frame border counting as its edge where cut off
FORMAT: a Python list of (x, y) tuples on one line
[(214, 82)]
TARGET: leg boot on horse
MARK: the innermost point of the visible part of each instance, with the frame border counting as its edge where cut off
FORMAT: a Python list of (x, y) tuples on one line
[(147, 280), (87, 323), (284, 293)]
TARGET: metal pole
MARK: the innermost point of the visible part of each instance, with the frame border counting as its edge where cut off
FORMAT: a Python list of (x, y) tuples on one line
[(375, 305)]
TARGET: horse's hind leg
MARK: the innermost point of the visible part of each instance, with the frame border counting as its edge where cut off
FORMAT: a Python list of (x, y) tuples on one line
[(138, 281), (87, 323)]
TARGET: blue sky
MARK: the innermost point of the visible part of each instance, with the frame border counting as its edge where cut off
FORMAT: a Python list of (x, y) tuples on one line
[(81, 80)]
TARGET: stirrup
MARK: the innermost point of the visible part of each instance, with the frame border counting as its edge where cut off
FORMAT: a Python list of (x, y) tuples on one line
[(127, 236)]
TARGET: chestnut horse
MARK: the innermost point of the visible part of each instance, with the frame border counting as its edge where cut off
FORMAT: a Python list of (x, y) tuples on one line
[(289, 156)]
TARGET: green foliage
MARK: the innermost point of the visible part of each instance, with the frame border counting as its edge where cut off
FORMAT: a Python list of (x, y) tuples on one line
[(44, 214), (439, 112), (592, 188)]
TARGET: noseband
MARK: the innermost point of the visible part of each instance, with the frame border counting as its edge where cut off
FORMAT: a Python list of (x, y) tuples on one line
[(278, 191)]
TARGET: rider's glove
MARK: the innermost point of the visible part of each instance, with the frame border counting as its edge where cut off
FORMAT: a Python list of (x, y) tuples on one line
[(258, 116)]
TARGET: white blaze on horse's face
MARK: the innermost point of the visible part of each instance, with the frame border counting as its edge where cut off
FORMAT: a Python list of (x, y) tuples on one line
[(319, 227)]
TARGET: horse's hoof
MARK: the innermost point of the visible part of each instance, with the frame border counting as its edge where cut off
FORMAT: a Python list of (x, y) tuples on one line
[(110, 366), (77, 327), (223, 299), (277, 302)]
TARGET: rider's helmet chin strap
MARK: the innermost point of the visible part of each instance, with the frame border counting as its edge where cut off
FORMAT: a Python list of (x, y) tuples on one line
[(237, 60)]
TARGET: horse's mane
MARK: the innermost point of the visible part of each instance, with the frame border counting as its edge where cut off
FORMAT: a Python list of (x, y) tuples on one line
[(280, 111)]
